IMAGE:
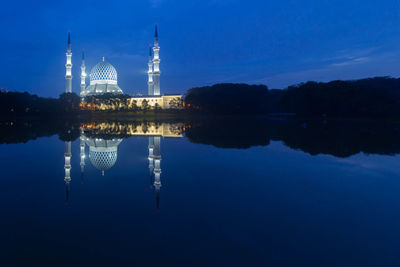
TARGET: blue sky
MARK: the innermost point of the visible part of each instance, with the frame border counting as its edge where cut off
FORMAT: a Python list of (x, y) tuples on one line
[(203, 42)]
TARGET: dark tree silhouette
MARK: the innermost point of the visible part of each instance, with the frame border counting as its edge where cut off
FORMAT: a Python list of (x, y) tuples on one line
[(145, 104), (69, 102), (228, 98), (374, 97)]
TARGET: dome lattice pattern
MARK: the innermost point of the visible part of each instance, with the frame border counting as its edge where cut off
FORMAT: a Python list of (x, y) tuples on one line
[(103, 71), (103, 160)]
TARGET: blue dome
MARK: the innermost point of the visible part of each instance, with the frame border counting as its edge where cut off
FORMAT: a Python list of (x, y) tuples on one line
[(103, 71)]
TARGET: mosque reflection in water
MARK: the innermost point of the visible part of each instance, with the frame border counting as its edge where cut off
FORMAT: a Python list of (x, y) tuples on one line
[(103, 140)]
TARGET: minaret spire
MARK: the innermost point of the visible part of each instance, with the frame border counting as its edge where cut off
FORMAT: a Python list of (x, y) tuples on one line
[(69, 42), (156, 35), (83, 74), (158, 200), (66, 193), (150, 52), (150, 84), (68, 67), (156, 63)]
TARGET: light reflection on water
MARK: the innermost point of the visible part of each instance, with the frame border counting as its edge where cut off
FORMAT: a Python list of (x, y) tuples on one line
[(191, 194), (102, 142)]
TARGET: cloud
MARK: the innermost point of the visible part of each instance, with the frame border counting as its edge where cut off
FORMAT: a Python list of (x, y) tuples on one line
[(351, 53), (351, 56), (351, 61), (345, 65)]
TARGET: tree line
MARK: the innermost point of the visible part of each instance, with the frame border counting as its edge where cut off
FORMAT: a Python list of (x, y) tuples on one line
[(123, 102), (372, 97), (24, 104)]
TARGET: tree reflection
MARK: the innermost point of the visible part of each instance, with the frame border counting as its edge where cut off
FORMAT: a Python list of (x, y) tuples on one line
[(340, 138), (337, 137)]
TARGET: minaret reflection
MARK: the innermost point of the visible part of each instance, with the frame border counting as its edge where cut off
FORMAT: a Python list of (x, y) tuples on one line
[(67, 168), (151, 159), (103, 140), (82, 150), (157, 169)]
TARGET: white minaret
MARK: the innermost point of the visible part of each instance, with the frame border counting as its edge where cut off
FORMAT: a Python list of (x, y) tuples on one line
[(83, 73), (156, 63), (68, 67), (157, 168), (150, 83), (67, 168)]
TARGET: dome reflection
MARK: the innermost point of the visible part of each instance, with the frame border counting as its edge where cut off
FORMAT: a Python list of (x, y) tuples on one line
[(103, 153), (103, 140)]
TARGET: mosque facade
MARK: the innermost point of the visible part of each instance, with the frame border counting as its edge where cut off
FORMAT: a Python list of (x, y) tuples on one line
[(103, 79)]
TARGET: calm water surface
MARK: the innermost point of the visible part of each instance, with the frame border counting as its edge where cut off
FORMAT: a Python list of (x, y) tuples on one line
[(130, 201)]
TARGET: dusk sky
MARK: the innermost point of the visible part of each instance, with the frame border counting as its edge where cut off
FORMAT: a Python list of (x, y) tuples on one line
[(277, 43)]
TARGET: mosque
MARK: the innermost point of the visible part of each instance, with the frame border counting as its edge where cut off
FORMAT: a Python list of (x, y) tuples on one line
[(104, 80), (103, 153)]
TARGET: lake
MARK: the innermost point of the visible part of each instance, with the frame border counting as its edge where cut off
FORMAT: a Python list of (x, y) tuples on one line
[(230, 192)]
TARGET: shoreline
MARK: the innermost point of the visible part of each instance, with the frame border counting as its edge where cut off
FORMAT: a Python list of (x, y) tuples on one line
[(181, 115)]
